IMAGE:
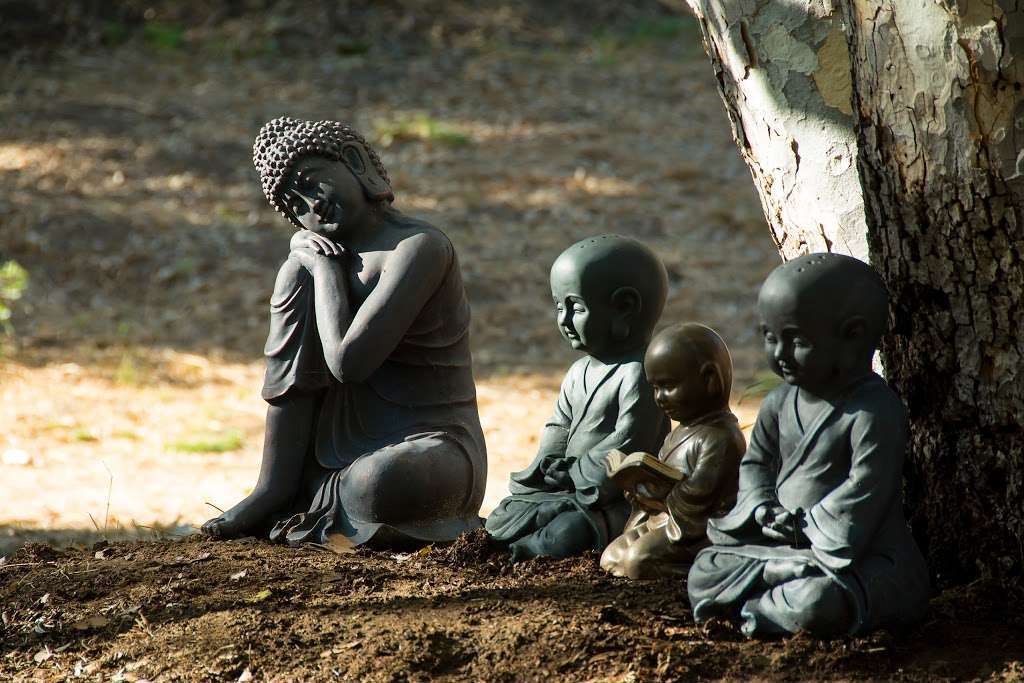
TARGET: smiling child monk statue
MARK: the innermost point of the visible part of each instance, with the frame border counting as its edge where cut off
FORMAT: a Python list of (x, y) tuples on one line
[(609, 292), (372, 430), (817, 541)]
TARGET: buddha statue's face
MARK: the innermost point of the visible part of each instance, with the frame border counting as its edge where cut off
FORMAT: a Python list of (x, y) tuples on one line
[(323, 196), (801, 339), (584, 317)]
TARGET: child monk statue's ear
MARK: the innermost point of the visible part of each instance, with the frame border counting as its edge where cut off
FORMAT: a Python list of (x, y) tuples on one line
[(627, 304), (712, 376), (853, 328)]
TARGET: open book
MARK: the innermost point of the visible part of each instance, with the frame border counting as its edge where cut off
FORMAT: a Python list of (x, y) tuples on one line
[(630, 471)]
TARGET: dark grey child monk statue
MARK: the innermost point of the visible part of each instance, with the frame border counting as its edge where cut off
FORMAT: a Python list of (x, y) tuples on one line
[(690, 368), (609, 292), (817, 541), (372, 430)]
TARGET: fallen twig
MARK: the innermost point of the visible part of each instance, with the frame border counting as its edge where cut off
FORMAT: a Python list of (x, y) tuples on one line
[(20, 564)]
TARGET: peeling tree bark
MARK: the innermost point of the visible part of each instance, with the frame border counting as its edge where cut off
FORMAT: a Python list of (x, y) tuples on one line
[(938, 96), (929, 189), (783, 72)]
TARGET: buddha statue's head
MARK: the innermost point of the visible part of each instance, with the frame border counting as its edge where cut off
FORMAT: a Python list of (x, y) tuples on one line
[(689, 367), (322, 176), (609, 292), (822, 317)]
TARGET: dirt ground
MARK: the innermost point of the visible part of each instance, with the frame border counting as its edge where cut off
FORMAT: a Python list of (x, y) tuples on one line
[(197, 610), (130, 375)]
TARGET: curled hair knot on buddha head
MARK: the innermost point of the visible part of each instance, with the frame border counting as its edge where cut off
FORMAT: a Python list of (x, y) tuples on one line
[(283, 141)]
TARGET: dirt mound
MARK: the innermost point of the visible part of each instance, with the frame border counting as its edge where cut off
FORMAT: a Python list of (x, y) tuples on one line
[(200, 610)]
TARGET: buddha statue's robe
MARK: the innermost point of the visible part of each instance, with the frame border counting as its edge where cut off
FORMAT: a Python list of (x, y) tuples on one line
[(842, 474), (400, 454), (707, 451), (600, 408)]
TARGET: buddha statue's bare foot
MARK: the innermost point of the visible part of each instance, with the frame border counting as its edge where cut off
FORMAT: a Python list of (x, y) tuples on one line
[(218, 529), (245, 518)]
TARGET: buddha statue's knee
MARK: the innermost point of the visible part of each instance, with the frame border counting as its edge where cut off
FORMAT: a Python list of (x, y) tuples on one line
[(407, 482), (377, 491)]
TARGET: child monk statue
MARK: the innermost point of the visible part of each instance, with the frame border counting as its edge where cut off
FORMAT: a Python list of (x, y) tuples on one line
[(817, 541), (372, 430), (690, 368), (609, 292)]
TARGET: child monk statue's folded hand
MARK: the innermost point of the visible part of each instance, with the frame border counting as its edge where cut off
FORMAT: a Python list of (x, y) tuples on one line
[(779, 524)]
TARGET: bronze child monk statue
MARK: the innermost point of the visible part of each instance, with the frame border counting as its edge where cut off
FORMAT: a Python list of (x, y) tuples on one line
[(609, 292), (372, 431), (817, 541), (690, 369)]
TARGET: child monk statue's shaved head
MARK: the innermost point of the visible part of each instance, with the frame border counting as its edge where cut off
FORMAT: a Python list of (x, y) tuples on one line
[(690, 368), (621, 283), (836, 300)]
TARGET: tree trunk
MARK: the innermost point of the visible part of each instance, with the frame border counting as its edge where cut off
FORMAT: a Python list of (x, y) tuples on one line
[(936, 88), (783, 72), (938, 95)]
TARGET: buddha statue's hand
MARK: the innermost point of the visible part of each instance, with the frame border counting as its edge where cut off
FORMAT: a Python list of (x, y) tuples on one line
[(307, 239), (308, 258)]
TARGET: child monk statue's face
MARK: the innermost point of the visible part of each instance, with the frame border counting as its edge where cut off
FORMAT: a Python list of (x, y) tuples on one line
[(802, 340), (680, 390), (821, 316), (584, 317), (608, 292), (323, 196), (688, 366)]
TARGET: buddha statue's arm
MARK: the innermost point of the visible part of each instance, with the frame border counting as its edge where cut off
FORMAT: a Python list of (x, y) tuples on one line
[(843, 524), (356, 344)]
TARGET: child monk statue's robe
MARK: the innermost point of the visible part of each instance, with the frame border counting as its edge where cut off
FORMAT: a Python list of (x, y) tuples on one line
[(600, 408), (690, 369), (817, 540), (609, 292)]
